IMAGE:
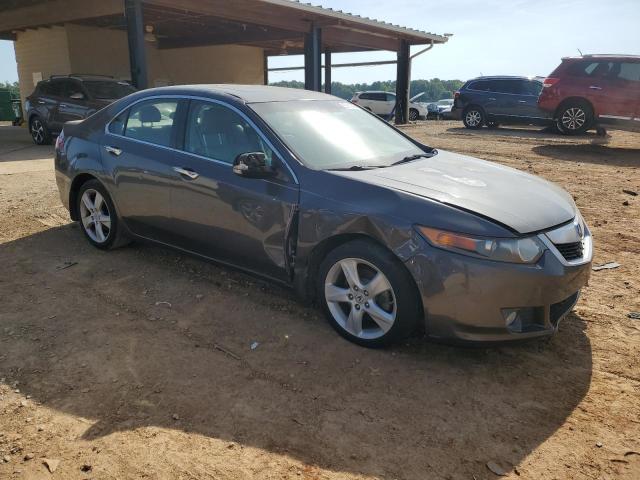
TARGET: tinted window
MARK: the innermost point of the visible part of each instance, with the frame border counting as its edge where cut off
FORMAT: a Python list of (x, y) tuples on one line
[(529, 87), (217, 132), (482, 85), (53, 88), (152, 121), (71, 87), (629, 71), (108, 90), (504, 86), (590, 69), (390, 97), (379, 97)]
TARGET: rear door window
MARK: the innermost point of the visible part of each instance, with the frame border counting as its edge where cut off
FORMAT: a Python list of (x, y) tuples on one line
[(152, 122), (52, 88), (481, 85), (629, 71), (528, 87), (589, 68)]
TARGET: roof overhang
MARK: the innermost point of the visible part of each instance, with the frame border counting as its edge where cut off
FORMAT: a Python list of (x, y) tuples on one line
[(278, 26)]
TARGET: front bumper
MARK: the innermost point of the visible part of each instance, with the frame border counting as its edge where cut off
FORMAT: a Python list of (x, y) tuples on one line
[(470, 299)]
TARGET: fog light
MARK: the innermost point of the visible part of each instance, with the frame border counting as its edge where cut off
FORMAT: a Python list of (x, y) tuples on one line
[(526, 319)]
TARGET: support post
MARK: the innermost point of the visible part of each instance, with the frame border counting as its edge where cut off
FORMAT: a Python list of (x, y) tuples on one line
[(135, 35), (327, 71), (266, 69), (402, 83), (313, 59)]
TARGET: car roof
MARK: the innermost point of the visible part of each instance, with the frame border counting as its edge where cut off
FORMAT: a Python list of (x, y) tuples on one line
[(504, 77), (604, 56), (246, 93)]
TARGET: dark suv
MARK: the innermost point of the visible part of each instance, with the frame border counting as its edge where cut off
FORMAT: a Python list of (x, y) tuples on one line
[(494, 100), (71, 97)]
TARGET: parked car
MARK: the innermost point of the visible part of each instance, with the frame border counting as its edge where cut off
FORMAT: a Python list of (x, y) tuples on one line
[(63, 98), (386, 234), (444, 108), (492, 101), (383, 103), (591, 90), (432, 110)]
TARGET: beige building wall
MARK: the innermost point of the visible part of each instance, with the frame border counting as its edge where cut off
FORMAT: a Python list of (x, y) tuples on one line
[(42, 52), (101, 51)]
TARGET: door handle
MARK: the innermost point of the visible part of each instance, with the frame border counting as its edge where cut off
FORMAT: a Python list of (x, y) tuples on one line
[(595, 87), (41, 102), (492, 99), (113, 150), (522, 101), (63, 105), (186, 172)]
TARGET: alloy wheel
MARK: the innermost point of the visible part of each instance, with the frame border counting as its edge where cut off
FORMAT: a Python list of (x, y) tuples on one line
[(95, 215), (360, 298), (473, 118), (37, 131), (573, 118), (413, 115)]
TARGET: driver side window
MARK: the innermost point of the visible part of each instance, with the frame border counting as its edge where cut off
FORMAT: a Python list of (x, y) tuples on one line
[(217, 132)]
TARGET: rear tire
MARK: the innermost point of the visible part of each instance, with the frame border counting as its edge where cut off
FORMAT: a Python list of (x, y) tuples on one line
[(574, 117), (413, 114), (98, 218), (473, 117), (39, 131), (367, 294)]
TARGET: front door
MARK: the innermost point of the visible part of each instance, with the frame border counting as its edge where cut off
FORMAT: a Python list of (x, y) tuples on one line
[(219, 214)]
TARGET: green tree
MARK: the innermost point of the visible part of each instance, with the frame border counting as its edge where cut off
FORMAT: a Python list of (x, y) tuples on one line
[(12, 87)]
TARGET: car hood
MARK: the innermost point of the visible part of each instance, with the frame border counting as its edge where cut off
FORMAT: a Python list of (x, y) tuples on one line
[(523, 202)]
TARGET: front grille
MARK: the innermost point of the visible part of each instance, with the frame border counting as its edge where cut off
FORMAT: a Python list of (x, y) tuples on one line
[(570, 251)]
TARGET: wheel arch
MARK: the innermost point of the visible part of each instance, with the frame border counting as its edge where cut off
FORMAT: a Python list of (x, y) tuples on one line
[(76, 184), (574, 99), (305, 280)]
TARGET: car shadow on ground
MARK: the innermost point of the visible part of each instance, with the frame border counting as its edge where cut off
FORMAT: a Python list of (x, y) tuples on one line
[(88, 333), (589, 153), (530, 132), (16, 145)]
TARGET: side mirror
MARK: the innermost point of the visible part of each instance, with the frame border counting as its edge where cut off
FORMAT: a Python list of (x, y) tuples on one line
[(77, 96), (252, 165)]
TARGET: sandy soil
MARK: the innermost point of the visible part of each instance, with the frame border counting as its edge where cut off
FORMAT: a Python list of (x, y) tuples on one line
[(97, 374)]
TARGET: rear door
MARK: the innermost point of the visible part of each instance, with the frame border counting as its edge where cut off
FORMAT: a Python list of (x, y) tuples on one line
[(139, 152), (526, 109), (73, 102), (506, 97), (220, 214), (623, 88), (50, 96)]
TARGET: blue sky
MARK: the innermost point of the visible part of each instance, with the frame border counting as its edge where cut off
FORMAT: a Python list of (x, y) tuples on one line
[(519, 37)]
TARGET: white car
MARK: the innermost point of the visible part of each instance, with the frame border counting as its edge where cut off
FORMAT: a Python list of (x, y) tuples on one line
[(383, 103), (444, 108)]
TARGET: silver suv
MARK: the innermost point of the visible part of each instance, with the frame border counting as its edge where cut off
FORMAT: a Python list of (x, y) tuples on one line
[(382, 103)]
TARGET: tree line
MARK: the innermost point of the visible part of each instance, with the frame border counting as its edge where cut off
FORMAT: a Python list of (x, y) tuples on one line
[(12, 87), (435, 89)]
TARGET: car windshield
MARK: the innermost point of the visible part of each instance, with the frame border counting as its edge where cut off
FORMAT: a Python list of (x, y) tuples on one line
[(108, 90), (335, 134)]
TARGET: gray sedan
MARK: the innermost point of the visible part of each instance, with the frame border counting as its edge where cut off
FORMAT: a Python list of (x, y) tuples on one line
[(388, 235)]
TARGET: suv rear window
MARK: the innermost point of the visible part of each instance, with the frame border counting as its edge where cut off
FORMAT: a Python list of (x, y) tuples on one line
[(107, 90), (481, 85)]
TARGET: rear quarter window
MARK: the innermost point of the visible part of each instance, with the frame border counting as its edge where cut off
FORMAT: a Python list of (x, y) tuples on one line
[(481, 85)]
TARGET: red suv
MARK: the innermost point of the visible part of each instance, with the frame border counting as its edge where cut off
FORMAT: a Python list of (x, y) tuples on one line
[(594, 91)]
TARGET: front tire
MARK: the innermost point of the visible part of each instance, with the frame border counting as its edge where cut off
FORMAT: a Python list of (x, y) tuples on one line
[(413, 114), (97, 216), (574, 118), (39, 131), (473, 118), (367, 295)]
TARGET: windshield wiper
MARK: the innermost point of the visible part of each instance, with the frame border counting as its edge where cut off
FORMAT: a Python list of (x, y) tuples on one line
[(411, 158), (356, 168)]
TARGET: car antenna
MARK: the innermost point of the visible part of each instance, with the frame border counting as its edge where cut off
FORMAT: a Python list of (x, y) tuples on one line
[(579, 52)]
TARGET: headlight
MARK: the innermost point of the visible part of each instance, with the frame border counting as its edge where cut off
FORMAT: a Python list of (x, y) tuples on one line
[(515, 250)]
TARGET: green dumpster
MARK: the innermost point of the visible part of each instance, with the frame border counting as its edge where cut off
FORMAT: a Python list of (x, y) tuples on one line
[(10, 107)]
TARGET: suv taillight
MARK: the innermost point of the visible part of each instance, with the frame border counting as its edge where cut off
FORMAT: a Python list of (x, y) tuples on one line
[(456, 95), (549, 82)]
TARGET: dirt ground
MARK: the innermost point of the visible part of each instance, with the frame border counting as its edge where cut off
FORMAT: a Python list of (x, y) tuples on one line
[(99, 375)]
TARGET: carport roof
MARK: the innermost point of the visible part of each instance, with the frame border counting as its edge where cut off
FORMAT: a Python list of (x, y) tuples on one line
[(277, 26)]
